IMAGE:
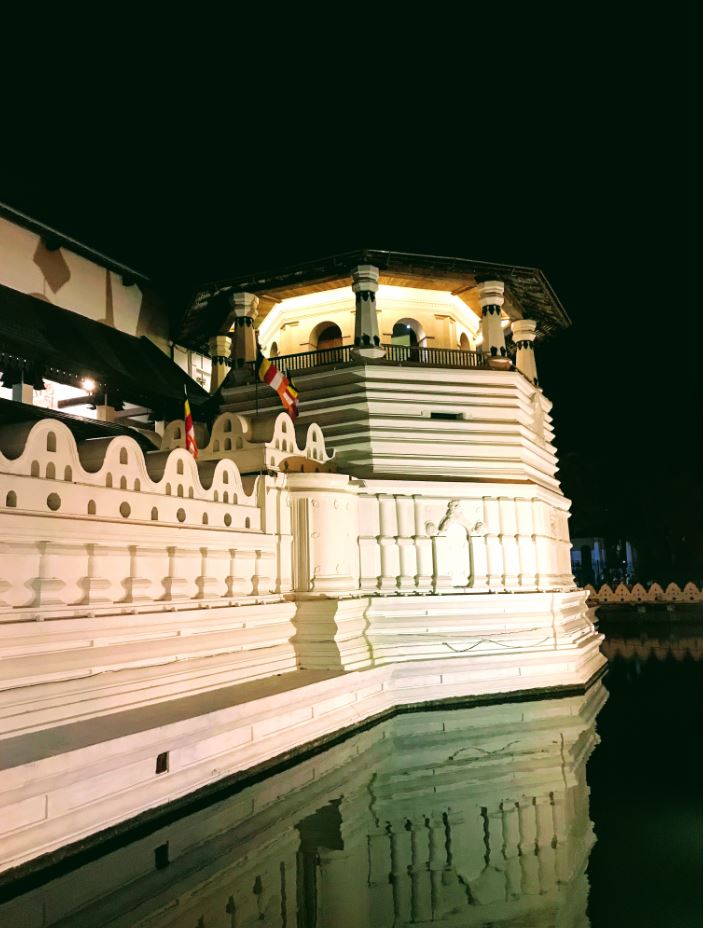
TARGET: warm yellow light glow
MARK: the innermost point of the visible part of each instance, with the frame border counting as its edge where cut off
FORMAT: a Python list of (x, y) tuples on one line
[(479, 340), (88, 384), (505, 323)]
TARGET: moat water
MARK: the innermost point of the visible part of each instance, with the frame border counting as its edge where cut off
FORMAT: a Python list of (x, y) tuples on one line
[(582, 810)]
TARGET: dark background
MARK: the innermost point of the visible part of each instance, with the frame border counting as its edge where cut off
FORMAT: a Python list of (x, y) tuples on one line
[(563, 138)]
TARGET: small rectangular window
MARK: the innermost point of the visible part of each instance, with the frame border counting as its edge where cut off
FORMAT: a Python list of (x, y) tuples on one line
[(162, 762), (446, 415), (161, 856)]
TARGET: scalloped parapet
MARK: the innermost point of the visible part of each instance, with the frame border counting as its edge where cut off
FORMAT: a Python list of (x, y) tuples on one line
[(691, 593), (256, 445), (637, 594)]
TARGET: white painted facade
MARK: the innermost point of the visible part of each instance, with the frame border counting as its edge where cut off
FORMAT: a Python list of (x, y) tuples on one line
[(288, 584), (162, 604)]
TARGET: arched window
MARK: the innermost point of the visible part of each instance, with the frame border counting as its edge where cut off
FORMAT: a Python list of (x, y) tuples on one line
[(326, 335), (405, 333), (464, 342), (274, 350)]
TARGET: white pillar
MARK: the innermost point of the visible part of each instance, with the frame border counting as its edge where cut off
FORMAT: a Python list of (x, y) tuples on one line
[(219, 347), (491, 299), (523, 331), (365, 283)]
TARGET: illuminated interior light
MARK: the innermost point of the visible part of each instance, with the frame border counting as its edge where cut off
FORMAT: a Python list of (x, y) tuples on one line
[(88, 384)]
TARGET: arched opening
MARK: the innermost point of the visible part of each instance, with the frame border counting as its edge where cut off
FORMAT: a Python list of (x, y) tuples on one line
[(408, 332), (326, 335), (464, 342), (274, 350), (11, 500)]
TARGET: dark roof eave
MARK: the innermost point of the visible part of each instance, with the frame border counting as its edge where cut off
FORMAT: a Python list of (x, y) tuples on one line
[(528, 285)]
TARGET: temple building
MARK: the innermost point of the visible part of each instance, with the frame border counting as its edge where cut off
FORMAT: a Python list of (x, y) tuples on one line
[(168, 620)]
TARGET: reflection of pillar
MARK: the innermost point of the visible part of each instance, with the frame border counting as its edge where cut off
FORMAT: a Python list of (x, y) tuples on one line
[(400, 880), (491, 298), (523, 331), (219, 347), (365, 283)]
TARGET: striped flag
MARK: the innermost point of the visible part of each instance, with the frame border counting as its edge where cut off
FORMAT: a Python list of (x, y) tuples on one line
[(270, 374), (190, 431)]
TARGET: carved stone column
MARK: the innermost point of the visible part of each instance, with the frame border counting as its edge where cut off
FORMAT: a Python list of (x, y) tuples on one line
[(491, 299), (523, 331), (219, 347), (365, 283), (244, 342)]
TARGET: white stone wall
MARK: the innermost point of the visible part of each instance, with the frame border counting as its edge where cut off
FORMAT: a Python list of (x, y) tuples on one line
[(380, 419), (237, 622)]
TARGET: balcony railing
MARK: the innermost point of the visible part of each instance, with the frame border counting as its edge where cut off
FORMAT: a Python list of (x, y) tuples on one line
[(401, 355), (395, 354)]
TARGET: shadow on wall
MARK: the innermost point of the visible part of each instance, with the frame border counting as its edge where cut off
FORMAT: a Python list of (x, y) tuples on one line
[(53, 266)]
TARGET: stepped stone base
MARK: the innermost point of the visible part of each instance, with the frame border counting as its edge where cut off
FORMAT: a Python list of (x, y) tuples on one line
[(71, 779)]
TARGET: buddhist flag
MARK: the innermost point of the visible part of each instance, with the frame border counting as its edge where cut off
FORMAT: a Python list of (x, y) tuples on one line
[(270, 374), (190, 432)]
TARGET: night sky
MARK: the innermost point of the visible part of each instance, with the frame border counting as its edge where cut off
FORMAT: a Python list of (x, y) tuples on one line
[(568, 144)]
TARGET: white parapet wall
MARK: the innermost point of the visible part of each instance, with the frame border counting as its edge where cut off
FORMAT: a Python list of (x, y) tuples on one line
[(167, 608)]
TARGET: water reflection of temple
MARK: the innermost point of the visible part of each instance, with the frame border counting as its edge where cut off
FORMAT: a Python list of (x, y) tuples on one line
[(685, 644), (462, 817)]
